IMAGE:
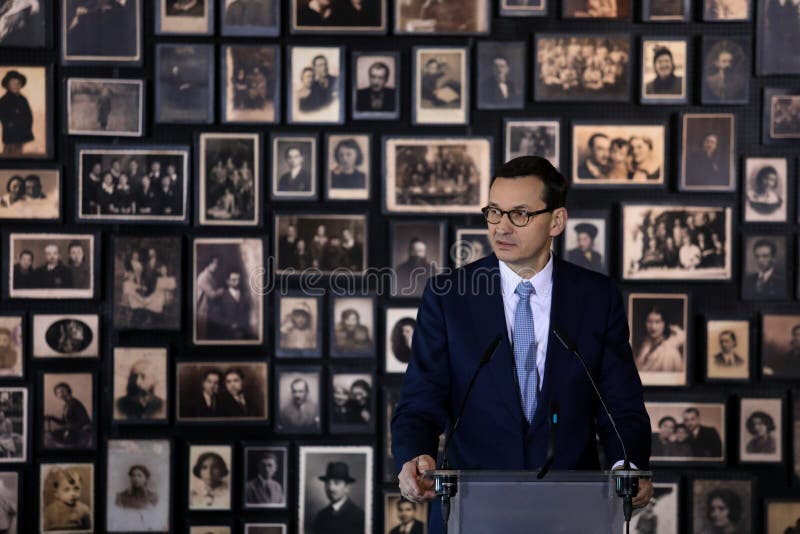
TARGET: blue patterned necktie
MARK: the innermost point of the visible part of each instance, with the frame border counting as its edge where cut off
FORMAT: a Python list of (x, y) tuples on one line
[(525, 349)]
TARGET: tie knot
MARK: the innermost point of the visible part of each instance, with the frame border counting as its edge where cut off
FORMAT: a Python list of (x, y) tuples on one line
[(524, 289)]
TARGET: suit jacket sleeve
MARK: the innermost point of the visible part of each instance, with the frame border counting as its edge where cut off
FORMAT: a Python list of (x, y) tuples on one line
[(423, 411)]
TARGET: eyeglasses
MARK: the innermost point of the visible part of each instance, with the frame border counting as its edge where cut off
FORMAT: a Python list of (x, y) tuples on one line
[(517, 217)]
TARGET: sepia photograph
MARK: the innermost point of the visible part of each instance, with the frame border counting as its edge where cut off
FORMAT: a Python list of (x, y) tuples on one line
[(250, 83), (229, 166), (436, 175), (147, 283), (726, 70), (138, 490), (14, 425), (665, 68), (265, 477), (184, 17), (726, 10), (30, 194), (68, 420), (316, 84), (222, 391), (720, 505), (781, 516), (441, 85), (708, 149), (524, 137), (325, 16), (728, 354), (660, 515), (761, 430), (352, 323), (611, 154), (184, 83), (401, 516), (666, 10), (765, 189), (586, 240), (294, 166), (764, 268), (375, 83), (523, 8), (659, 324), (671, 242), (582, 67), (12, 345), (10, 500), (777, 38), (687, 432), (66, 336), (330, 243), (66, 498), (502, 79), (597, 9), (298, 325), (399, 331), (298, 398), (781, 116), (444, 17), (140, 385), (348, 166), (265, 528), (228, 291), (210, 477), (352, 402), (391, 396), (51, 266), (210, 529), (105, 106), (417, 252), (780, 347), (471, 244), (137, 183), (26, 24), (254, 18), (335, 475), (26, 121), (107, 32)]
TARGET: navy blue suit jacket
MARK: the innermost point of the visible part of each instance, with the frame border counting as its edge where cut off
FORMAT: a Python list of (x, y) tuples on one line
[(461, 313)]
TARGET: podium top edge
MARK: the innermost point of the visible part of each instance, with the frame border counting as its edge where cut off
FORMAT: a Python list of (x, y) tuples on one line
[(552, 476)]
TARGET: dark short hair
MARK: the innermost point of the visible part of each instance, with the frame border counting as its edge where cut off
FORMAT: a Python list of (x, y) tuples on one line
[(205, 456), (63, 385), (292, 147), (380, 65), (773, 249), (767, 418), (26, 251), (73, 244), (662, 51), (730, 333), (665, 419), (731, 500), (555, 185), (761, 176), (139, 467), (302, 381), (319, 56), (348, 312), (693, 410), (349, 143), (235, 371), (212, 372), (403, 500), (595, 137), (363, 384)]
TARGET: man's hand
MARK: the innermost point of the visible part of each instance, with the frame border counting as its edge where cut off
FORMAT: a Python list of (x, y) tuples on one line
[(645, 493), (412, 485)]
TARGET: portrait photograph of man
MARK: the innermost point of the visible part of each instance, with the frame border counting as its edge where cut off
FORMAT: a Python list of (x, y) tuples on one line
[(30, 194), (533, 138), (66, 336), (659, 325), (442, 17), (721, 504), (441, 85), (782, 116), (585, 243), (780, 346), (222, 391), (250, 82), (14, 424), (335, 490), (23, 23), (66, 497), (417, 253), (25, 130), (726, 70), (352, 403), (51, 266), (764, 275), (351, 16), (352, 324), (298, 401), (140, 384), (401, 516), (687, 432), (316, 86), (501, 75), (399, 324), (184, 81), (250, 17), (230, 179), (765, 189), (726, 10), (9, 502), (778, 43), (184, 17), (761, 429), (348, 164), (376, 94), (660, 515), (97, 106), (265, 475), (596, 9), (294, 167), (12, 345), (323, 242), (708, 146), (664, 71), (106, 31), (627, 155), (67, 419), (299, 328), (727, 349)]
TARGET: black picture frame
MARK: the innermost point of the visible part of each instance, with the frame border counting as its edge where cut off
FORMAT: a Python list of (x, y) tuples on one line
[(766, 200), (771, 134), (316, 325), (70, 19), (282, 447), (91, 441), (368, 301), (749, 346), (395, 316), (393, 79), (227, 86), (204, 52)]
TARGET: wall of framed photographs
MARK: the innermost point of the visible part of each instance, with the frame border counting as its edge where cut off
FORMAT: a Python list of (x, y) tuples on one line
[(168, 167)]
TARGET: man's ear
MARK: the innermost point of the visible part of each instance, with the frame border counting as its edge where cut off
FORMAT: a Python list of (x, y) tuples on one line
[(558, 222)]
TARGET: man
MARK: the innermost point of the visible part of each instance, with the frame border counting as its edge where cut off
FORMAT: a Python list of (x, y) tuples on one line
[(324, 89), (24, 274), (351, 336), (584, 254), (296, 179), (785, 364), (727, 356), (520, 292), (768, 282), (74, 426), (724, 82), (78, 267), (707, 166), (301, 414), (167, 199), (144, 196), (314, 13), (53, 274), (665, 82), (263, 488), (596, 164), (206, 405), (498, 89), (140, 400), (376, 97), (413, 273), (103, 104), (232, 402), (15, 114), (704, 440), (234, 310), (406, 510), (342, 515)]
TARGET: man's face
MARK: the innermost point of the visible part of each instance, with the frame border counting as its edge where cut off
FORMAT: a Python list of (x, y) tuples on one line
[(299, 393), (417, 250), (138, 480), (51, 254), (377, 78), (14, 86), (31, 188), (115, 165), (501, 69), (710, 143), (724, 61), (294, 158), (320, 66), (666, 429), (233, 383), (233, 280), (663, 66), (601, 149), (267, 467), (405, 512), (584, 242), (211, 384), (97, 168), (764, 258), (336, 489), (432, 67), (156, 166), (726, 343), (25, 261), (76, 255), (61, 393), (144, 378), (691, 420)]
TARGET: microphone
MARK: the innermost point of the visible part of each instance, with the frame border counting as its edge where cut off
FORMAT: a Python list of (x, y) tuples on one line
[(551, 443)]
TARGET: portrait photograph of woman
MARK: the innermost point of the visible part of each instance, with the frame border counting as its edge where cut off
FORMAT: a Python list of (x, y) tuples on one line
[(722, 506), (659, 323), (765, 190), (209, 477), (761, 430)]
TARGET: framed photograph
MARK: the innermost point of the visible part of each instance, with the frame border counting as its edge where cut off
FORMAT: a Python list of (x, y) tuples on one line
[(68, 420), (11, 489), (331, 473), (609, 9), (132, 184), (15, 422), (419, 17), (780, 346), (138, 485), (103, 33), (140, 391), (764, 274), (348, 166), (51, 266), (687, 432), (375, 83), (728, 350), (665, 68), (329, 243), (147, 283), (523, 8), (254, 18), (602, 59), (250, 81), (502, 79), (761, 430), (265, 476), (298, 325), (417, 252), (298, 397), (726, 70), (401, 515), (105, 106), (612, 154), (441, 85), (781, 515), (765, 189), (391, 396), (185, 17), (265, 528), (30, 194), (12, 345), (708, 152), (294, 166), (316, 84), (26, 112), (672, 242), (229, 166), (663, 510), (781, 116), (184, 79), (352, 402), (471, 244), (524, 137), (659, 324), (722, 503), (317, 17), (726, 10), (227, 295), (586, 240), (776, 38), (222, 391), (399, 323), (210, 477), (353, 326), (210, 529), (28, 25), (666, 10), (66, 497), (66, 336), (413, 183)]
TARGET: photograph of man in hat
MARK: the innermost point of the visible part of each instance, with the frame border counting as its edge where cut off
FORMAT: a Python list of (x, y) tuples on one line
[(16, 116), (585, 254), (342, 515)]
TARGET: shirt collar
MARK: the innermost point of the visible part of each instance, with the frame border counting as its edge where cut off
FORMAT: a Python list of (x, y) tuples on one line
[(338, 504), (542, 281)]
